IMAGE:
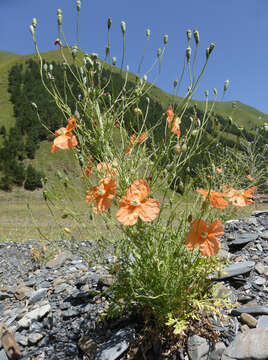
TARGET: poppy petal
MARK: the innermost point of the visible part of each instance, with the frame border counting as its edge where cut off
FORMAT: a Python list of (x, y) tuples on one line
[(127, 215), (149, 210)]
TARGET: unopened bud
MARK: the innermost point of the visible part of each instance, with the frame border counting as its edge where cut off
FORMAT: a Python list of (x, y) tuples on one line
[(177, 148), (230, 120), (189, 34), (196, 36), (31, 29), (45, 195), (94, 56), (165, 39), (123, 27), (109, 22), (115, 163), (181, 186), (194, 133), (78, 5), (138, 111), (114, 60), (175, 83), (50, 67), (226, 85), (59, 15), (207, 53), (34, 106), (188, 53), (107, 50), (45, 67), (211, 47), (76, 115), (74, 51), (206, 93), (215, 91), (145, 77), (184, 148), (148, 33), (34, 23), (198, 122), (158, 52)]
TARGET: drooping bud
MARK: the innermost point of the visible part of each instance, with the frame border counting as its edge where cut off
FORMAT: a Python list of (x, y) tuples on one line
[(230, 120), (74, 51), (189, 34), (34, 23), (165, 39), (207, 53), (123, 27), (145, 77), (59, 15), (94, 56), (114, 60), (148, 33), (109, 23), (138, 111), (76, 115), (184, 148), (226, 85), (177, 148), (107, 50), (181, 186), (175, 83), (50, 67), (158, 52), (78, 5), (196, 36), (206, 93), (215, 91), (211, 47), (34, 106), (188, 53), (32, 29), (88, 62), (45, 67), (194, 133)]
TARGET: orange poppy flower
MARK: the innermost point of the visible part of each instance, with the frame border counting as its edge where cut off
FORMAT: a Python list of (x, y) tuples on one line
[(250, 178), (241, 197), (134, 204), (107, 169), (103, 194), (64, 138), (134, 138), (88, 170), (175, 123), (205, 236), (215, 198)]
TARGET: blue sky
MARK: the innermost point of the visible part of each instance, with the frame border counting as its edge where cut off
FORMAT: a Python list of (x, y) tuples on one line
[(238, 27)]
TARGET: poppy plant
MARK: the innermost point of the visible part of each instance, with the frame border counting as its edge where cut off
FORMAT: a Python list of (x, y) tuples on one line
[(134, 138), (64, 137), (204, 236), (250, 178), (88, 170), (175, 122), (219, 170), (241, 197), (134, 204), (215, 198), (103, 194), (107, 169)]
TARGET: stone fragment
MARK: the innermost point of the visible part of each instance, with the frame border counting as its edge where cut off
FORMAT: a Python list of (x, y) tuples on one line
[(217, 352), (107, 280), (116, 345), (265, 235), (59, 260), (34, 338), (37, 295), (242, 239), (197, 347), (249, 320), (3, 355), (234, 270), (257, 310), (252, 344), (9, 343), (36, 314), (260, 268), (87, 345), (22, 292), (263, 322)]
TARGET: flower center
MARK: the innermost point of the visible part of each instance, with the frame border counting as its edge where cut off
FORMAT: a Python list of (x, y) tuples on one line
[(101, 191), (204, 235), (135, 202)]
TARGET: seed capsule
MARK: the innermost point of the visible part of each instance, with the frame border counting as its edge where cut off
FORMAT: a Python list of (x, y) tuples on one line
[(196, 36)]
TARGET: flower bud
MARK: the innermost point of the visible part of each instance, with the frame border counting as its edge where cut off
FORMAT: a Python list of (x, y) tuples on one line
[(32, 29), (207, 53), (181, 186), (107, 50), (45, 67), (226, 85), (94, 56), (148, 33), (88, 62), (215, 91), (184, 148), (59, 15), (109, 23), (194, 133), (67, 230), (165, 39), (127, 68), (230, 120), (211, 47), (196, 36), (145, 77), (198, 122), (123, 27), (34, 23), (138, 111), (175, 83), (177, 148), (188, 53), (34, 106), (206, 93), (76, 115), (74, 51), (78, 5), (50, 67), (158, 52), (189, 34), (114, 60)]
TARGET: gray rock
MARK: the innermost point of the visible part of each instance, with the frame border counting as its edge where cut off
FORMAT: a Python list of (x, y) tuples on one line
[(197, 347), (234, 270), (34, 338), (3, 355), (252, 344), (36, 314), (116, 346), (249, 320), (37, 295), (263, 322), (257, 310), (217, 352), (59, 260), (21, 339), (241, 239), (259, 280), (260, 268)]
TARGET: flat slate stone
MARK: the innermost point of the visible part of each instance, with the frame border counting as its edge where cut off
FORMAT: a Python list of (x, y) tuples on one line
[(263, 322), (241, 239), (257, 310), (234, 270)]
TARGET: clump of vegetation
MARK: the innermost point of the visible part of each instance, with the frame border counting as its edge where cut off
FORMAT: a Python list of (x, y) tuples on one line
[(156, 192)]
